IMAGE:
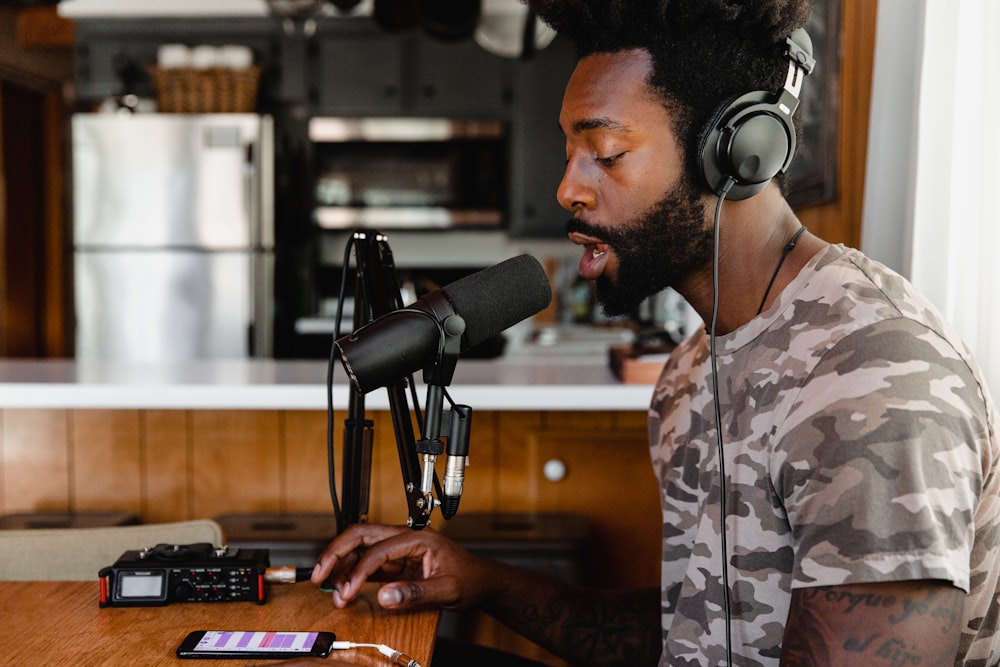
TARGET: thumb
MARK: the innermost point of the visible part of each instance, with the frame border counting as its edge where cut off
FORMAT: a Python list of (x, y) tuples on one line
[(400, 594)]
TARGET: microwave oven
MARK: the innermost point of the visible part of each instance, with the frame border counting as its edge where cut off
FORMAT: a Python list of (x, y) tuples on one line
[(409, 173)]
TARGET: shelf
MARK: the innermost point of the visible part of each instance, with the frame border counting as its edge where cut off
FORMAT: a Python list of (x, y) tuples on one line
[(403, 217)]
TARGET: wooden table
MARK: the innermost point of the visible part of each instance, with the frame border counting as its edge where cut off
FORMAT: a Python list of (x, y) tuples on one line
[(60, 623)]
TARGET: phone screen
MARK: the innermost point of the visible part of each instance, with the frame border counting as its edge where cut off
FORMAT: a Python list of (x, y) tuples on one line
[(261, 644)]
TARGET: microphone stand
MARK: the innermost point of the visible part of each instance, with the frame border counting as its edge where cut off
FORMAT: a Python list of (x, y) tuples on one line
[(377, 293), (372, 297)]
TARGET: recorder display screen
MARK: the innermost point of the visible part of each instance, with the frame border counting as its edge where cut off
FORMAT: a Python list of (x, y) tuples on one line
[(140, 585)]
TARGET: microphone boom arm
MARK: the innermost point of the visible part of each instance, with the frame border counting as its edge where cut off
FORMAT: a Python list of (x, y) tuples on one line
[(376, 295)]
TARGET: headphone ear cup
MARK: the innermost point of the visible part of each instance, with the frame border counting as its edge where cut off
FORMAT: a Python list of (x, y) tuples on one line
[(750, 141), (708, 138)]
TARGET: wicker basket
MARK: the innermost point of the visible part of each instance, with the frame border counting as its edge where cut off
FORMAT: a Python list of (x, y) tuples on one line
[(215, 90)]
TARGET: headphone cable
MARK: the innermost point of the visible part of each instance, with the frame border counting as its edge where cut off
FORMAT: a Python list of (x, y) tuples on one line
[(727, 611)]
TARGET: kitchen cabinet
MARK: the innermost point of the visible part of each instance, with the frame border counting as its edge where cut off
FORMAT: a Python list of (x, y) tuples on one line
[(361, 71), (171, 465), (594, 464), (356, 72), (460, 79)]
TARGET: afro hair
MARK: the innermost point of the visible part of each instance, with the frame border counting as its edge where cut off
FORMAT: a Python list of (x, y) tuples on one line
[(704, 52)]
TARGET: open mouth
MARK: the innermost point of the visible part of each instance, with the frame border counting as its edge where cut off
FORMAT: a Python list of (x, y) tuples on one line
[(595, 255)]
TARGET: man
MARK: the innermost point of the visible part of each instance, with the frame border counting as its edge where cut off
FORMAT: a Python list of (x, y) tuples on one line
[(858, 476)]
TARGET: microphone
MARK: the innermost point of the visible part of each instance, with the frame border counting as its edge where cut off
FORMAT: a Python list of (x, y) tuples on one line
[(469, 310), (429, 335)]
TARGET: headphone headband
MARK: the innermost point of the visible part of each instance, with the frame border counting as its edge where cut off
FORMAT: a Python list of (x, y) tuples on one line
[(751, 138)]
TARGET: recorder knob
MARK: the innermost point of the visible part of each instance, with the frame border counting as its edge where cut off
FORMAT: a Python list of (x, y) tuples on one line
[(183, 591)]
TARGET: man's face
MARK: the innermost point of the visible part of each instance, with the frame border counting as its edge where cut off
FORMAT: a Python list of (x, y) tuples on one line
[(642, 223)]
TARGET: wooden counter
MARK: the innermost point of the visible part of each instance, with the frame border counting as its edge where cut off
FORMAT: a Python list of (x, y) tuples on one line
[(60, 623)]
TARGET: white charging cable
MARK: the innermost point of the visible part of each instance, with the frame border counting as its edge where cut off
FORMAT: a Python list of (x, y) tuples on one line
[(398, 657)]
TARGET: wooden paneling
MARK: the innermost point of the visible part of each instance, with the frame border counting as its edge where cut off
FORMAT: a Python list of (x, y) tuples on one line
[(107, 460), (36, 461), (510, 479), (167, 465), (236, 462), (167, 470), (304, 456), (388, 500), (486, 448), (608, 480)]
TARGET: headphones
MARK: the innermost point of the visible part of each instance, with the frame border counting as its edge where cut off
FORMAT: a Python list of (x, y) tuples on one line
[(751, 137)]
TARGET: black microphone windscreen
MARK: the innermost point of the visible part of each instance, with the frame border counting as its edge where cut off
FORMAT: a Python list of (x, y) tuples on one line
[(499, 297)]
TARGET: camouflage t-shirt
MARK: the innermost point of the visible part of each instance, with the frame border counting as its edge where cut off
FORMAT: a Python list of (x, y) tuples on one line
[(860, 446)]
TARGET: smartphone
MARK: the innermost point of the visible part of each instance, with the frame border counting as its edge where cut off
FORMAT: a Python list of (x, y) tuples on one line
[(215, 644)]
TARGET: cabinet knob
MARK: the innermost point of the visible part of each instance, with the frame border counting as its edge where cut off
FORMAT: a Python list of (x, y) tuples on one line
[(554, 470)]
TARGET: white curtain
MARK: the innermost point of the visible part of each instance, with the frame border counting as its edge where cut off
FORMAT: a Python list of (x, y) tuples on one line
[(933, 175)]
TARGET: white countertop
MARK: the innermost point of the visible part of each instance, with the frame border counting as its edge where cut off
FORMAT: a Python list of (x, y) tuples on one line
[(541, 380)]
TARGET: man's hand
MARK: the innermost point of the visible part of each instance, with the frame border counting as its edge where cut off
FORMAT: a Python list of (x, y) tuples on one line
[(423, 567), (587, 627)]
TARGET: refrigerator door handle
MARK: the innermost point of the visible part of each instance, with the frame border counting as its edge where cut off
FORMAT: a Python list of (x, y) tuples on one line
[(251, 183), (262, 185)]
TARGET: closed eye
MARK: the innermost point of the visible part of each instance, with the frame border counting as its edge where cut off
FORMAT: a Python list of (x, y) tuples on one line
[(610, 161)]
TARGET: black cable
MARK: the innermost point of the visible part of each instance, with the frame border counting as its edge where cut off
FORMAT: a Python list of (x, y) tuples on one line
[(331, 363), (330, 453), (784, 255), (718, 426)]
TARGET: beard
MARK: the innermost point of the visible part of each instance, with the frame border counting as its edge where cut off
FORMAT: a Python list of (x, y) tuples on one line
[(655, 250)]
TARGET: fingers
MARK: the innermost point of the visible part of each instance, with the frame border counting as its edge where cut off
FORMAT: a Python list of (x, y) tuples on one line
[(342, 553), (422, 562), (402, 552), (354, 556)]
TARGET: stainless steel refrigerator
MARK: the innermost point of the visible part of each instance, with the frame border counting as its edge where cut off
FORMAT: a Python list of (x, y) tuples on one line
[(173, 232)]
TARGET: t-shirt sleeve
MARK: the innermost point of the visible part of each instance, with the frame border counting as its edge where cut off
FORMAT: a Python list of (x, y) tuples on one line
[(879, 462)]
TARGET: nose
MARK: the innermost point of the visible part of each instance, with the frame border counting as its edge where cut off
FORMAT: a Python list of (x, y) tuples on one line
[(574, 189)]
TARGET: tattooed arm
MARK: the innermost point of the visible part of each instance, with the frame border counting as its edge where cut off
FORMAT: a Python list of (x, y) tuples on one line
[(892, 624), (423, 567), (584, 626)]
